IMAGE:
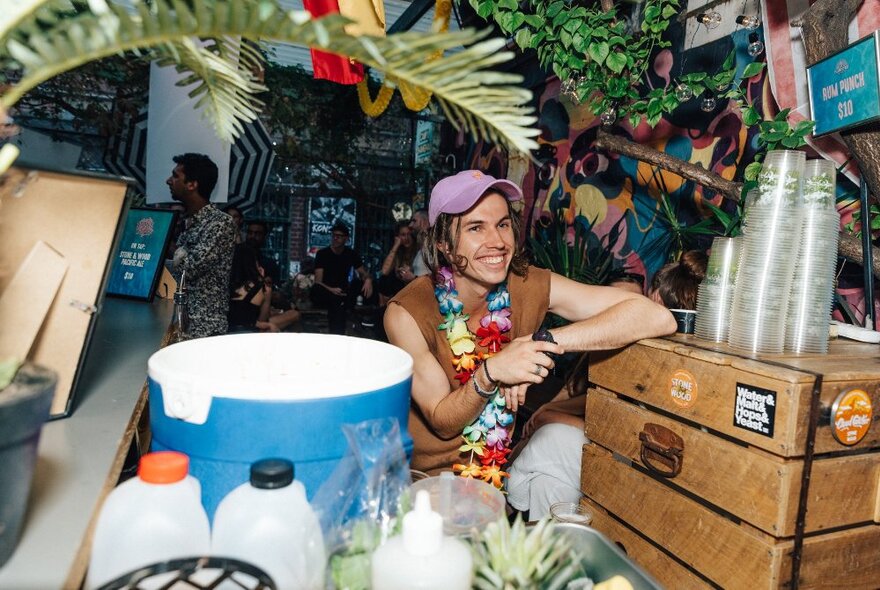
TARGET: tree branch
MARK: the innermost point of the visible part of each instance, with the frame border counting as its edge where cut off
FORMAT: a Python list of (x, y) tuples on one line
[(850, 246), (731, 190)]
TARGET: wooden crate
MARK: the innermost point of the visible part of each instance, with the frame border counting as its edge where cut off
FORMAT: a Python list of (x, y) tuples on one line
[(729, 516)]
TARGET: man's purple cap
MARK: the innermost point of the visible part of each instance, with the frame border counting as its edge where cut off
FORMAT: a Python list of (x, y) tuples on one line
[(458, 193)]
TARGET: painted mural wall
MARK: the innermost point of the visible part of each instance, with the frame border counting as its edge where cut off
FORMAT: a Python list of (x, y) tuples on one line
[(605, 192)]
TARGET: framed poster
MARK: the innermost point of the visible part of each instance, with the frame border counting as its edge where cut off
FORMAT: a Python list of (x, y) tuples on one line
[(324, 213), (138, 259)]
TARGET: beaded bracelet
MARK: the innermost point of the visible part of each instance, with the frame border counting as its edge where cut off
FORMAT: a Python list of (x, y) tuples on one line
[(482, 392), (486, 371)]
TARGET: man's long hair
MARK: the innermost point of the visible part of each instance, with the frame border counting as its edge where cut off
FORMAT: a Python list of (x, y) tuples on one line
[(447, 229)]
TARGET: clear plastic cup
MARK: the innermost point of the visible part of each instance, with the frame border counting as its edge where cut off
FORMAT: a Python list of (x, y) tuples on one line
[(572, 513), (820, 184), (781, 177)]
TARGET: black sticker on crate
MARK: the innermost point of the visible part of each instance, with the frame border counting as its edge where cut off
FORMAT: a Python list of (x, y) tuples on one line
[(755, 409)]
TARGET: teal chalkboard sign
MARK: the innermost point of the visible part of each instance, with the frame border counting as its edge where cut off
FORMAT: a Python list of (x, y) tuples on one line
[(845, 87), (141, 253)]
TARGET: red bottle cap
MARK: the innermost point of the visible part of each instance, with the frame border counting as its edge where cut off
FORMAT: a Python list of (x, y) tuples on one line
[(163, 467)]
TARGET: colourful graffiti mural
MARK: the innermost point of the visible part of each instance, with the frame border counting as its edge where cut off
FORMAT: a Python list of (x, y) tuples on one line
[(571, 178)]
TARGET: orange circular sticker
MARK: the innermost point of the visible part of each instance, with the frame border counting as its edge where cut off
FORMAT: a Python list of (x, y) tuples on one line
[(683, 388), (851, 415)]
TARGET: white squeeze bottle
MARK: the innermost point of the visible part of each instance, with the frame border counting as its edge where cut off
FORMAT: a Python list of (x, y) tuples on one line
[(152, 518), (268, 522), (422, 557)]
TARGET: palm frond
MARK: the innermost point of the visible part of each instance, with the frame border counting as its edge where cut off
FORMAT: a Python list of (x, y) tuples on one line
[(487, 103)]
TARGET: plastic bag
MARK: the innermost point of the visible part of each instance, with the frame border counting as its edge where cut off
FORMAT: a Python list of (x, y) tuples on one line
[(360, 502)]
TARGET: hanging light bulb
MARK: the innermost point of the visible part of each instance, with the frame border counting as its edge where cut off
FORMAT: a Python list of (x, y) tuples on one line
[(749, 21), (755, 47), (708, 103), (710, 19), (610, 116), (683, 92)]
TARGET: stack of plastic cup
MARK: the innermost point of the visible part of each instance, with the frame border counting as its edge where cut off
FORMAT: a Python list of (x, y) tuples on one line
[(771, 237), (715, 293), (809, 309)]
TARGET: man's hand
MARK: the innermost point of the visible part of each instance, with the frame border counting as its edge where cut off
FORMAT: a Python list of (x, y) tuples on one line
[(523, 361)]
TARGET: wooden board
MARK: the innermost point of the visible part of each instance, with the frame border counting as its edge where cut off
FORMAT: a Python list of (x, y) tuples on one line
[(79, 215), (645, 370), (845, 560), (656, 562), (27, 299), (732, 555), (753, 485)]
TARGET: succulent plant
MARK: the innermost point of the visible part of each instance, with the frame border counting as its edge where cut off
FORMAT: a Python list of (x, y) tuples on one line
[(517, 557)]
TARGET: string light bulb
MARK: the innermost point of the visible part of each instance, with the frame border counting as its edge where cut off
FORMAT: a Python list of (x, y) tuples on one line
[(710, 19), (708, 103), (749, 21), (756, 47), (610, 116), (683, 92)]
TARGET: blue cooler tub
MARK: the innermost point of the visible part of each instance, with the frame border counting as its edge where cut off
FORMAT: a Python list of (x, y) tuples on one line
[(228, 401)]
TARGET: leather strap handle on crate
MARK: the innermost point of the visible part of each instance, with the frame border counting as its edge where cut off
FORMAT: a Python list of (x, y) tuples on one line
[(662, 450)]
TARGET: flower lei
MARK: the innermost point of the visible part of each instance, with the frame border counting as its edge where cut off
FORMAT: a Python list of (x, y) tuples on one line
[(486, 439)]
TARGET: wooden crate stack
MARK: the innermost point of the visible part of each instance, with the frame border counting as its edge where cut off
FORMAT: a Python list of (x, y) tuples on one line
[(697, 460)]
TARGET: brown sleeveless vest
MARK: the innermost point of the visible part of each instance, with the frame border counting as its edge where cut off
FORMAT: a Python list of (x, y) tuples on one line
[(529, 300)]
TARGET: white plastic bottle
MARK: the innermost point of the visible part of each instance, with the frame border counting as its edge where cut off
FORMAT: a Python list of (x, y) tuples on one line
[(268, 522), (154, 517), (422, 557)]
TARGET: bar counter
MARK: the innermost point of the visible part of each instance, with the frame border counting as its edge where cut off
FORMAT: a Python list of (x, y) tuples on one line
[(80, 457)]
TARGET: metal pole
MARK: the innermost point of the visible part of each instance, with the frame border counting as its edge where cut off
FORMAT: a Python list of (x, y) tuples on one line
[(867, 256)]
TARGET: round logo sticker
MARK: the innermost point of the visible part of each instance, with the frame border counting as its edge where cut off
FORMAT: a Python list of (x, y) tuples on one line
[(851, 415), (683, 388)]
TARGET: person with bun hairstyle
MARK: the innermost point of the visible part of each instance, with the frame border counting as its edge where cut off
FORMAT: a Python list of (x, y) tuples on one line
[(675, 284)]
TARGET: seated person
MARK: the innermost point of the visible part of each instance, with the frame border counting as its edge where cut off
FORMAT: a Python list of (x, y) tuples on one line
[(548, 469), (251, 296), (397, 266), (473, 328)]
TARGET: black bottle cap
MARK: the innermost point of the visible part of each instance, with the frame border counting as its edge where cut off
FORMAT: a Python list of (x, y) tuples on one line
[(271, 474)]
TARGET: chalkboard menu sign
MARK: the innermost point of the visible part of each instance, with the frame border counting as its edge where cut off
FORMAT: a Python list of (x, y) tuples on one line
[(140, 254)]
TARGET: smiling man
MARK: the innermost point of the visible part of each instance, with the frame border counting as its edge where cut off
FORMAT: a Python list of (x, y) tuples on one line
[(473, 327)]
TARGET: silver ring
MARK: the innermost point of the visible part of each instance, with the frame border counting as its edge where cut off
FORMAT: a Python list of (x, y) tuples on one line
[(537, 369)]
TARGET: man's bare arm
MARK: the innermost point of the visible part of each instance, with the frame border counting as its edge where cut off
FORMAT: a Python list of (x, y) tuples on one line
[(447, 410), (604, 318)]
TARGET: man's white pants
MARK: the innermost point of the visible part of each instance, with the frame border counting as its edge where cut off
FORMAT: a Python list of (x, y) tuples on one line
[(548, 470)]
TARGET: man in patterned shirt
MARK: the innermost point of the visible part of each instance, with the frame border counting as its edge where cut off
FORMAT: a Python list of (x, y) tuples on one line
[(204, 249)]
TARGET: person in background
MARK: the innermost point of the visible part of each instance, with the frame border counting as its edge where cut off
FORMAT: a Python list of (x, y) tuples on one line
[(627, 281), (474, 332), (204, 249), (397, 266), (332, 289), (420, 225), (251, 295), (236, 215), (675, 284), (257, 232)]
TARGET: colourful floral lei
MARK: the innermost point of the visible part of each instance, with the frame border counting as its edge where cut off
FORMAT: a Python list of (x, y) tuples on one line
[(486, 439)]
